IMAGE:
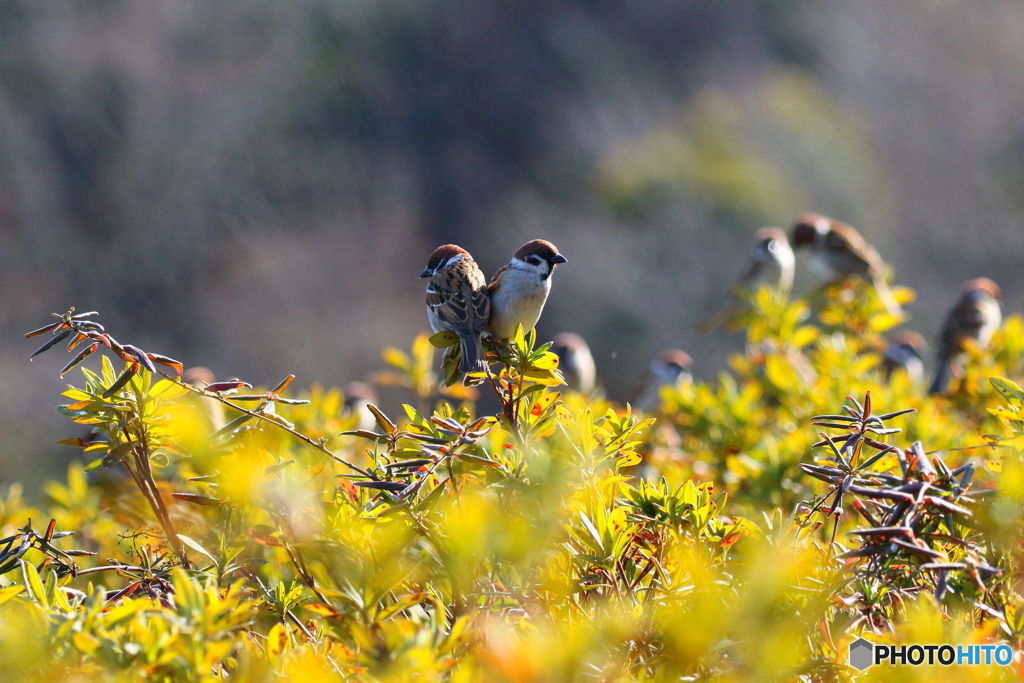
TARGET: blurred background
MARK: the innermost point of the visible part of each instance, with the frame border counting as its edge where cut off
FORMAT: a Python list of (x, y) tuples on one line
[(255, 186)]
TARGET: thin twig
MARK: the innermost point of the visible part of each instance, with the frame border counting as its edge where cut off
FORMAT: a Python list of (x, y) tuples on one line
[(297, 434)]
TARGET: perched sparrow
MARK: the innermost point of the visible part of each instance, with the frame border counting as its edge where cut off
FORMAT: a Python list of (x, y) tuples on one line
[(575, 361), (838, 253), (668, 369), (457, 300), (357, 396), (519, 290), (976, 315), (905, 352), (771, 263)]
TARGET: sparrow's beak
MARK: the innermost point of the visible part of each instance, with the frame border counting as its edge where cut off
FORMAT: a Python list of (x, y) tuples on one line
[(426, 272), (558, 258)]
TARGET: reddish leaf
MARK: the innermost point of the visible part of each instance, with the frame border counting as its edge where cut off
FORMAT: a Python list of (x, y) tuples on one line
[(44, 329), (221, 387), (262, 535), (79, 358), (197, 499), (169, 362), (283, 384)]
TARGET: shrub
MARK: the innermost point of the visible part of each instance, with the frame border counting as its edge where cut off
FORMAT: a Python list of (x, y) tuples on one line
[(751, 529)]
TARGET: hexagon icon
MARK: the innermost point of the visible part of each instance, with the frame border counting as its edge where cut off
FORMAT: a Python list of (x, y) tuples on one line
[(862, 654)]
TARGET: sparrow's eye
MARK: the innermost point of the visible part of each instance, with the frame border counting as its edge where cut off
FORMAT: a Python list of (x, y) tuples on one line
[(534, 259), (770, 245)]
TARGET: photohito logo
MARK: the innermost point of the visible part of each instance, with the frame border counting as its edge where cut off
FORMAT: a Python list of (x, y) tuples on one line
[(864, 654)]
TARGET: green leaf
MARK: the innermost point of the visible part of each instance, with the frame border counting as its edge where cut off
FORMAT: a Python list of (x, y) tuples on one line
[(443, 340), (34, 584), (191, 543), (1008, 388)]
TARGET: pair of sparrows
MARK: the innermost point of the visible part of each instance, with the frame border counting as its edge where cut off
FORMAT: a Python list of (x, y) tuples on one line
[(460, 300), (837, 253)]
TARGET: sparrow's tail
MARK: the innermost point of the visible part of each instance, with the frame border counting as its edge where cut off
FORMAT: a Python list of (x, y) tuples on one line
[(886, 297), (719, 317), (471, 353), (943, 374)]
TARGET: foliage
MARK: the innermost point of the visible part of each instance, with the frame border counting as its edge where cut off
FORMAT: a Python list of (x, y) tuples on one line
[(750, 530)]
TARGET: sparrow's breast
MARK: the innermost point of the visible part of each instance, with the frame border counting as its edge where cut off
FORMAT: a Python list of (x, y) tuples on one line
[(519, 301)]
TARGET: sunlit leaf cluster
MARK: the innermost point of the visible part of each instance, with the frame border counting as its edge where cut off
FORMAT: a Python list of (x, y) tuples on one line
[(749, 529)]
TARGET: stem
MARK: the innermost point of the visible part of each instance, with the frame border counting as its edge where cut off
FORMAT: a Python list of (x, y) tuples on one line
[(144, 480)]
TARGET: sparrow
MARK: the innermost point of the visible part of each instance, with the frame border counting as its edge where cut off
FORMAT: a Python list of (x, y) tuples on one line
[(457, 301), (839, 253), (905, 352), (977, 315), (771, 263), (668, 369), (357, 396), (519, 289), (575, 361)]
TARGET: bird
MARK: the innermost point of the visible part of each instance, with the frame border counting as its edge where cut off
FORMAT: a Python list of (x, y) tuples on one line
[(358, 395), (519, 290), (771, 263), (976, 315), (575, 361), (457, 301), (905, 352), (668, 369), (839, 253)]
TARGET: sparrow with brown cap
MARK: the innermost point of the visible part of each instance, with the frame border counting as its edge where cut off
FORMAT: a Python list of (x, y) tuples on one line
[(838, 253), (976, 315), (575, 361), (519, 290), (771, 263), (457, 301), (668, 369)]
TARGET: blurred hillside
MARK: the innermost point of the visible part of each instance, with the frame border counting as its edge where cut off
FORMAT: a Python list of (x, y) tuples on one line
[(255, 186)]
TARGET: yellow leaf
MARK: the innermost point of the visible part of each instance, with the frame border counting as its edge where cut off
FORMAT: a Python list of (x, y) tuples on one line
[(9, 592), (885, 321), (781, 373), (548, 361), (630, 459), (76, 395), (617, 520), (277, 639), (85, 642), (395, 358)]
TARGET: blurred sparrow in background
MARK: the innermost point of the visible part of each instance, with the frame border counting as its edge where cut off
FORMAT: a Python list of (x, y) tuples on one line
[(457, 301), (905, 352), (519, 289), (575, 361), (668, 369), (838, 253), (976, 316), (771, 263), (357, 396), (201, 378)]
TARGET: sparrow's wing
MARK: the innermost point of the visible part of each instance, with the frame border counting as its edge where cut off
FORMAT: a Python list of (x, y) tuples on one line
[(857, 256), (753, 275), (458, 298), (496, 278)]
